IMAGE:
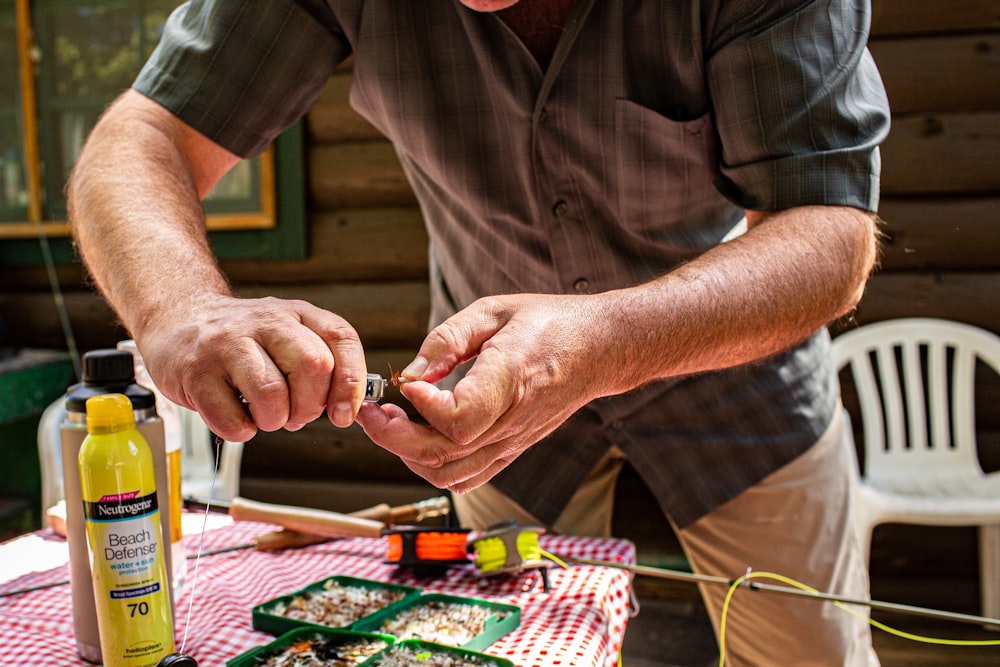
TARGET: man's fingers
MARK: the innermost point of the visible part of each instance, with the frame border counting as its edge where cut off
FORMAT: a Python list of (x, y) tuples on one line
[(457, 339), (261, 384), (430, 454), (290, 360), (319, 362), (390, 427), (476, 404), (464, 474), (345, 388)]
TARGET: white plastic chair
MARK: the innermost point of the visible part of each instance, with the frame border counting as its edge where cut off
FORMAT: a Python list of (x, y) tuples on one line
[(915, 380), (198, 478)]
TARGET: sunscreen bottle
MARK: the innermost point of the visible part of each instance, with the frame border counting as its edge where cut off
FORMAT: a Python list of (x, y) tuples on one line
[(106, 371), (126, 545)]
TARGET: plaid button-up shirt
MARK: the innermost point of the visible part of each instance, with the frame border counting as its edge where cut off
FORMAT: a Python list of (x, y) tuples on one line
[(635, 150)]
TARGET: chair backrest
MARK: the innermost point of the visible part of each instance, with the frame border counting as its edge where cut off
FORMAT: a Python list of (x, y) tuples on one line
[(915, 380), (199, 478)]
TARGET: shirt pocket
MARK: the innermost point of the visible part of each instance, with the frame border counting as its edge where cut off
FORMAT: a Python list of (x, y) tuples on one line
[(665, 177)]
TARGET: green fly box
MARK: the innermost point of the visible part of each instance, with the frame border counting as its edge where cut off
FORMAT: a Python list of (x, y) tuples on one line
[(335, 602), (462, 622)]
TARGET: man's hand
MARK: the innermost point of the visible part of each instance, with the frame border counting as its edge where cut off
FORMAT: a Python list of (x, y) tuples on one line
[(134, 200), (530, 374), (539, 358), (289, 360)]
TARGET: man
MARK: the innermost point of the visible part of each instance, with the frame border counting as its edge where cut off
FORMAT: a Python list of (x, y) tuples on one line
[(583, 168)]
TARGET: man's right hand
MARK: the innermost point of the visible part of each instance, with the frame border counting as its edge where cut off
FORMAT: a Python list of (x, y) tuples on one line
[(134, 199), (289, 360)]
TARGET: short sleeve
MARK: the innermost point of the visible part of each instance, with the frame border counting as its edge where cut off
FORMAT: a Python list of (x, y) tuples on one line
[(799, 103), (241, 71)]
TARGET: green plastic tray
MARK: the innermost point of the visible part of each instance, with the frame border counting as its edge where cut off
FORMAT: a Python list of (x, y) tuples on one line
[(502, 619), (255, 657), (421, 647), (266, 620)]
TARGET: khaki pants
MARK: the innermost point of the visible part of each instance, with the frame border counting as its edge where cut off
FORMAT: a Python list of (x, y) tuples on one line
[(796, 523)]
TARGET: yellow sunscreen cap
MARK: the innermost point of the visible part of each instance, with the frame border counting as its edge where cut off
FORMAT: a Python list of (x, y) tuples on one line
[(108, 411)]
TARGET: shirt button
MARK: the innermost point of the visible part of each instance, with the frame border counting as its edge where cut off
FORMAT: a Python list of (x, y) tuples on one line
[(560, 208), (617, 425), (542, 115), (581, 285)]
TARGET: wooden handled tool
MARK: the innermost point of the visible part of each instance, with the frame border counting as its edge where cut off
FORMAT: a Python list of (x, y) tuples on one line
[(305, 520), (304, 526)]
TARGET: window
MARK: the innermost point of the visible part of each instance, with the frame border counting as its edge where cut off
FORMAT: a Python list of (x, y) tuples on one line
[(61, 63)]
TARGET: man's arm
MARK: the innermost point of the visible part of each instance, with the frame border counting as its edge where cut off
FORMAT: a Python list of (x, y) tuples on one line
[(134, 201), (539, 358), (793, 272)]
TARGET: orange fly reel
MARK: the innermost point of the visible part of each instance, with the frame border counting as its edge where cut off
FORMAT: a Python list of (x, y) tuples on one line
[(426, 546)]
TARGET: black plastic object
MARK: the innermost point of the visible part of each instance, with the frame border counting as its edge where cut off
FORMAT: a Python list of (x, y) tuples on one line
[(109, 371), (177, 659)]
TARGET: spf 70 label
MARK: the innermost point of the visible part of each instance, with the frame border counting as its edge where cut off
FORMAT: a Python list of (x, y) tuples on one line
[(141, 608)]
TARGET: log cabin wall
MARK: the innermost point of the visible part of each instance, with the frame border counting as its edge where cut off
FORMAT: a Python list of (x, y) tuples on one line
[(941, 162), (941, 176), (368, 249)]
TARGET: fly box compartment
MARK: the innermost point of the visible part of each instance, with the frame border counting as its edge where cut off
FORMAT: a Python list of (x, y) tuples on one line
[(335, 602), (418, 653), (469, 623), (313, 645)]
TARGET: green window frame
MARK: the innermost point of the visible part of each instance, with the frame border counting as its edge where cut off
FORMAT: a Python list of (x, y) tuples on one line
[(61, 63)]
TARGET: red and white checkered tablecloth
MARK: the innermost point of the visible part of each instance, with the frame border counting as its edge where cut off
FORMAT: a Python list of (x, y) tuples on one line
[(579, 622)]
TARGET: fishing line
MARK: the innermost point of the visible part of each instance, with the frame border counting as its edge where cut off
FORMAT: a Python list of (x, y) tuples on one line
[(799, 589), (842, 604), (219, 444)]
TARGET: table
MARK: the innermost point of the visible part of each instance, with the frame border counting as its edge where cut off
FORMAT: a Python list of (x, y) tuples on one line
[(580, 622)]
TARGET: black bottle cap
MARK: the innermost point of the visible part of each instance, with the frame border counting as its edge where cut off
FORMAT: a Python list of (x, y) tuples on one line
[(108, 367), (110, 371), (177, 660)]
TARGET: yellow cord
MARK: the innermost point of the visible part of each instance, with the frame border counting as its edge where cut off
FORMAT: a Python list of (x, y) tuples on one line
[(491, 552), (881, 626), (555, 559)]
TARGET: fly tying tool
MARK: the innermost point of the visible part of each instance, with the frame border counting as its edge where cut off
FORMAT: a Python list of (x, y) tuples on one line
[(375, 385)]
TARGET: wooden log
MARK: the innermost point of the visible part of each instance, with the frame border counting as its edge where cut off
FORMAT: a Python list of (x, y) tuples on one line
[(32, 320), (970, 297), (953, 153), (357, 175), (320, 450), (946, 233), (35, 277), (915, 17), (394, 315), (389, 314), (940, 74), (352, 244)]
